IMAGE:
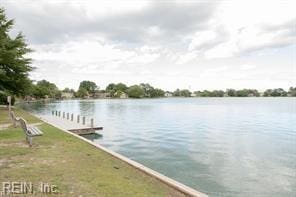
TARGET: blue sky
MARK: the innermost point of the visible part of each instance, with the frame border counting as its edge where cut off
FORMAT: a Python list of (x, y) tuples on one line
[(169, 44)]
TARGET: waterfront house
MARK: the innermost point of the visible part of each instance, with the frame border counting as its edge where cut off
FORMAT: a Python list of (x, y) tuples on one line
[(123, 96), (67, 95), (102, 95), (120, 94), (168, 94)]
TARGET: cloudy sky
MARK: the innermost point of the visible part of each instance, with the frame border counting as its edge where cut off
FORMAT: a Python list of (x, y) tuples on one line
[(186, 44)]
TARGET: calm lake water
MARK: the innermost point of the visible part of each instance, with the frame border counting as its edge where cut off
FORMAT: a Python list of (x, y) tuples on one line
[(220, 146)]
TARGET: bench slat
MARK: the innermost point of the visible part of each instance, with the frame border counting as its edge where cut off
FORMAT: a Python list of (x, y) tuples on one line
[(35, 131), (31, 131)]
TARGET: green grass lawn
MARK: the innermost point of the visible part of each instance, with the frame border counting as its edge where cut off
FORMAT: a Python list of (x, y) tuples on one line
[(4, 118), (76, 167)]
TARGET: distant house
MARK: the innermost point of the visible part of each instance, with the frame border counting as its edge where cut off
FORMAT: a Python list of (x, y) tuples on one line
[(29, 98), (193, 95), (102, 95), (120, 94), (123, 96), (67, 95), (168, 94)]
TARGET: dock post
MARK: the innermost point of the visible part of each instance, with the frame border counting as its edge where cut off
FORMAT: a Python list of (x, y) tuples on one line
[(92, 123), (72, 117), (67, 116), (59, 113), (52, 113), (78, 118), (56, 113), (63, 114), (83, 120)]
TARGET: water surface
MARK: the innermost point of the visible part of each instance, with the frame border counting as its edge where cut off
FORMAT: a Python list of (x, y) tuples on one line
[(220, 146)]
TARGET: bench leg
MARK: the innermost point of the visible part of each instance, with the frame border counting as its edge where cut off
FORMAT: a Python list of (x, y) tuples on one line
[(14, 124), (29, 140)]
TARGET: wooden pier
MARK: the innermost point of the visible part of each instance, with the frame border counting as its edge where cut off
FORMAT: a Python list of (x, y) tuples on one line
[(67, 121), (85, 131)]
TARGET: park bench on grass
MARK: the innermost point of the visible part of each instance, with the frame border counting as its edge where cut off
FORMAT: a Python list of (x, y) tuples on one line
[(30, 131)]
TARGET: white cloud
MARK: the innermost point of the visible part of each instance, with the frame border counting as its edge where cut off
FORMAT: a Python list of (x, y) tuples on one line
[(252, 26), (253, 38), (169, 44), (248, 67), (214, 72), (82, 52), (187, 57), (202, 38), (223, 50)]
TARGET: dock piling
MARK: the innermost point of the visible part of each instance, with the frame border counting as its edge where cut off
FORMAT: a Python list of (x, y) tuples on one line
[(70, 116), (80, 126)]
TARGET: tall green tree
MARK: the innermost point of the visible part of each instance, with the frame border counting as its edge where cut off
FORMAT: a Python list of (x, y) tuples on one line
[(177, 92), (155, 92), (292, 91), (147, 89), (185, 93), (116, 90), (14, 66), (81, 93), (231, 92), (217, 93), (135, 91), (89, 86), (44, 88), (182, 93), (275, 92)]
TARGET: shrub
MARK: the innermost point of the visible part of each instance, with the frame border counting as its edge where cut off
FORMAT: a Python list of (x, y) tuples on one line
[(3, 99)]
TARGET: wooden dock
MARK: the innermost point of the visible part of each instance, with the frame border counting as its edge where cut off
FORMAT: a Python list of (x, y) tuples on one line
[(75, 126), (85, 131)]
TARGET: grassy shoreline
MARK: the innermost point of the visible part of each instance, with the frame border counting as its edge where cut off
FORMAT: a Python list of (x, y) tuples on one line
[(76, 167)]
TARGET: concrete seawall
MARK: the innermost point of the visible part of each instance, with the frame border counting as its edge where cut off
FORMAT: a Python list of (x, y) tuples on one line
[(168, 181)]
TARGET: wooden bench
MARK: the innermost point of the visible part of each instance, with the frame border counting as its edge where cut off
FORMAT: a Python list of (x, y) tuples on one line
[(30, 131)]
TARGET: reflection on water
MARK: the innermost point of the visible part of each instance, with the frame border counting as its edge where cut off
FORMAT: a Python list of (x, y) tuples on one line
[(221, 146), (92, 137)]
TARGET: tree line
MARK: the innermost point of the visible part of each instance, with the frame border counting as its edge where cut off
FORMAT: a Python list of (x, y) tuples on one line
[(89, 89), (118, 90)]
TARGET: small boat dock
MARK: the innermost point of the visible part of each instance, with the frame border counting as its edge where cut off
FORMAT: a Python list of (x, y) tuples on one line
[(76, 124)]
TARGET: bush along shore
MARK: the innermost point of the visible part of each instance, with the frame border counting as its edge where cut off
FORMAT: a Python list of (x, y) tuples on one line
[(71, 165)]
